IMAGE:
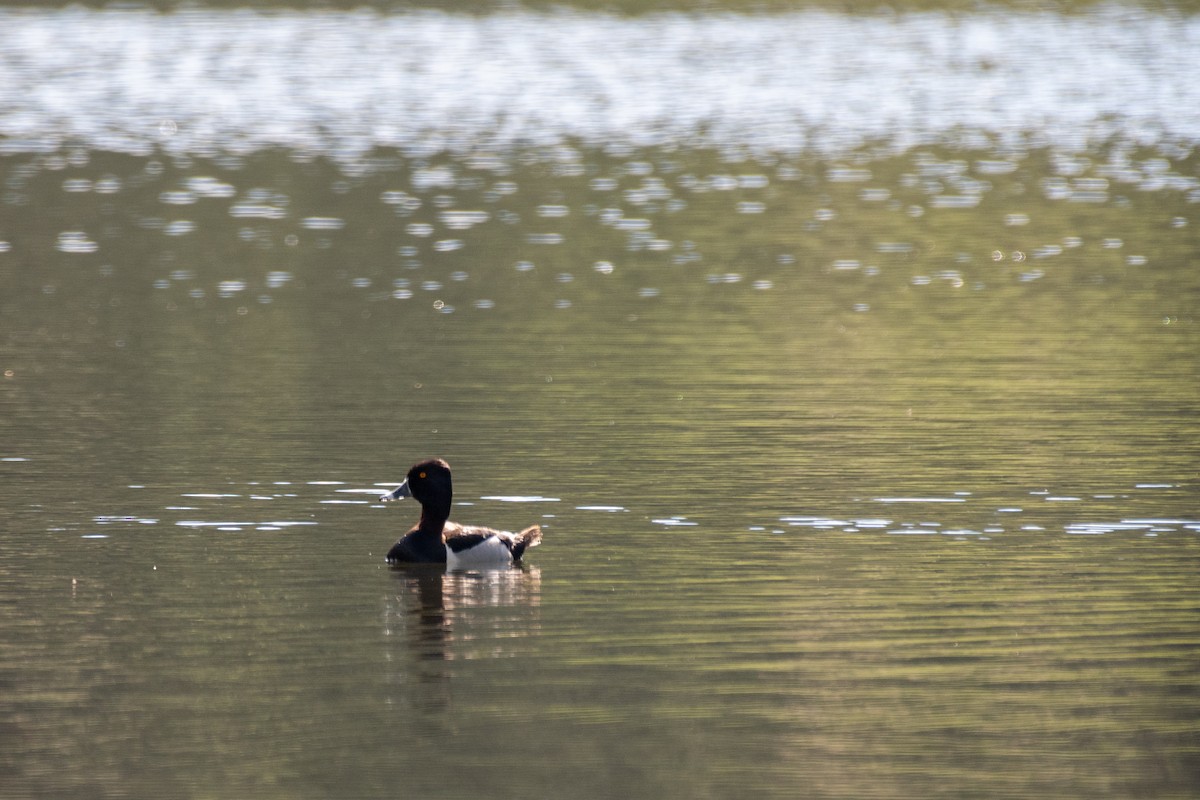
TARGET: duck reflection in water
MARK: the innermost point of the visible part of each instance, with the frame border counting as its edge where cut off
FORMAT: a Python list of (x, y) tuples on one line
[(462, 615), (445, 616), (465, 593)]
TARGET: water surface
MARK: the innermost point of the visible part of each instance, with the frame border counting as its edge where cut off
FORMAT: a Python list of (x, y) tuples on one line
[(865, 473)]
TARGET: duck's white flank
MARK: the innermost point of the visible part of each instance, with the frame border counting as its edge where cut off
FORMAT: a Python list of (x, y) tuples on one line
[(494, 551)]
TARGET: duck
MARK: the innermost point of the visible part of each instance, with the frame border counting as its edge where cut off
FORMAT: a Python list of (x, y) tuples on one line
[(437, 540)]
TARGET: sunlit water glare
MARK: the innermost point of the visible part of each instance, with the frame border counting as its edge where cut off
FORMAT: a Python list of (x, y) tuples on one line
[(341, 84)]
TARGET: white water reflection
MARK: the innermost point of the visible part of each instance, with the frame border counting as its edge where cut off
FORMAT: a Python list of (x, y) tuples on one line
[(343, 83)]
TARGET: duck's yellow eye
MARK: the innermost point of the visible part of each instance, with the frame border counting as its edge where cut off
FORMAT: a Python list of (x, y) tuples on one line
[(422, 475)]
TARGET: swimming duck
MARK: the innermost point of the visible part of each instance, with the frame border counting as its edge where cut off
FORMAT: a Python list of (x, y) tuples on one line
[(436, 540)]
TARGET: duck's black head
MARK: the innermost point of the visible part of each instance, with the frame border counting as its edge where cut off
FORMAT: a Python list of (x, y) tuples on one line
[(428, 482)]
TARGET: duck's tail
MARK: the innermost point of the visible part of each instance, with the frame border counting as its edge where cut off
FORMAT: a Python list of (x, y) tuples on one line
[(530, 537)]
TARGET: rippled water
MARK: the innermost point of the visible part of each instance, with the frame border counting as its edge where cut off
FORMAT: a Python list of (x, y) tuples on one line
[(867, 473)]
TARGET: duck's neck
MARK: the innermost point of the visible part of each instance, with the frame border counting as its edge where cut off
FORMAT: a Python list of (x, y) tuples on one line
[(433, 518)]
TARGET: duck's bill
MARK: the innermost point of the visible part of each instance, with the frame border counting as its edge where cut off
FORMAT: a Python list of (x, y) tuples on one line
[(398, 493)]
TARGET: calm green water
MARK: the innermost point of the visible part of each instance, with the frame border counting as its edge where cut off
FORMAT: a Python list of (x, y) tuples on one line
[(866, 476), (823, 515)]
